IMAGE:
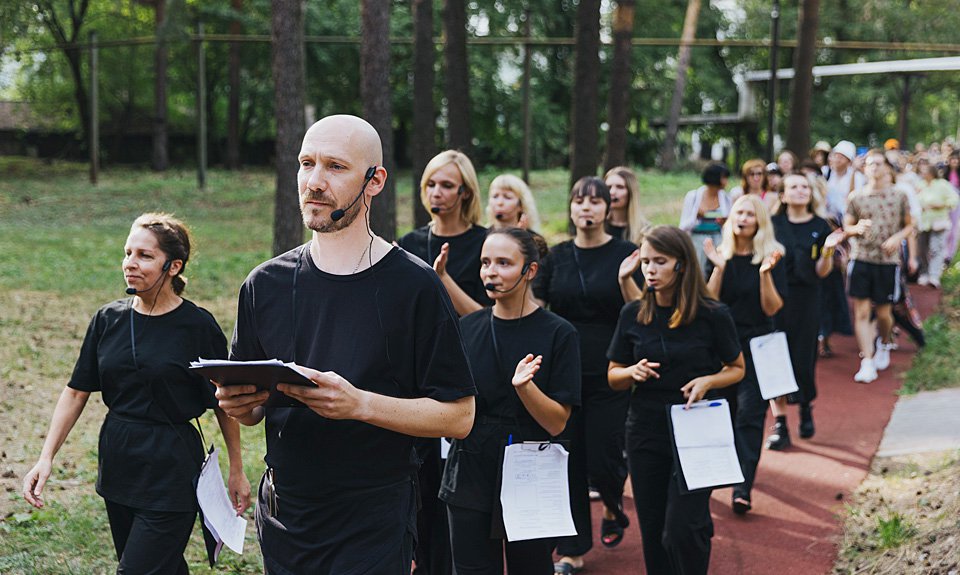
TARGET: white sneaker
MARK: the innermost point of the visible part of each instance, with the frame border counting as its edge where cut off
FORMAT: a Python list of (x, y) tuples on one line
[(923, 280), (881, 357), (867, 371)]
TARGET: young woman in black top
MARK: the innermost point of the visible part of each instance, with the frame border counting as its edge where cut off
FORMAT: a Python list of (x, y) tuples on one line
[(586, 281), (810, 243), (675, 345), (747, 278), (136, 353), (625, 222), (526, 365), (451, 242)]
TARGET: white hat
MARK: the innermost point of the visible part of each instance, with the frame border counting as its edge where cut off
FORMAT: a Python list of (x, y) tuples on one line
[(846, 148)]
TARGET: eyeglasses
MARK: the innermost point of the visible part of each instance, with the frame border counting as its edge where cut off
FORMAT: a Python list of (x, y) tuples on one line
[(755, 174)]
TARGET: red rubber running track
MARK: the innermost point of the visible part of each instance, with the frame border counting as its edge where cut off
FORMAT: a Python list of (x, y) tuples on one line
[(799, 494)]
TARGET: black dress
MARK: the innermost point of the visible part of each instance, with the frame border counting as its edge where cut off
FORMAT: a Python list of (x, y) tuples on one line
[(581, 285), (800, 317)]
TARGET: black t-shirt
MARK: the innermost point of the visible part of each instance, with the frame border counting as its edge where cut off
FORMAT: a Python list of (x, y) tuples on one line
[(581, 286), (684, 353), (389, 329), (616, 231), (470, 476), (804, 243), (149, 452), (463, 262), (741, 292)]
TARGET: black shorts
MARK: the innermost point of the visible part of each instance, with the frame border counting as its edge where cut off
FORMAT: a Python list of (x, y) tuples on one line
[(876, 282)]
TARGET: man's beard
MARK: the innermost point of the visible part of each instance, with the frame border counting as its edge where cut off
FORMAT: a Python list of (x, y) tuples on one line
[(328, 225)]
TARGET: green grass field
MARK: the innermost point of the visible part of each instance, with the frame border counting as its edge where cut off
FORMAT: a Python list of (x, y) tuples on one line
[(62, 244)]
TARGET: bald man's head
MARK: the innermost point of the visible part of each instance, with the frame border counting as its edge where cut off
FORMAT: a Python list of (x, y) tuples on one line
[(356, 136)]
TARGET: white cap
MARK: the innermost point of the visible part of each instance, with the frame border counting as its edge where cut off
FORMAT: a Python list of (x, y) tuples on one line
[(846, 148)]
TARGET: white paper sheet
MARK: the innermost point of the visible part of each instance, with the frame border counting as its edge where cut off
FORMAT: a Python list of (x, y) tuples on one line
[(218, 513), (535, 492), (445, 446), (704, 438), (771, 358)]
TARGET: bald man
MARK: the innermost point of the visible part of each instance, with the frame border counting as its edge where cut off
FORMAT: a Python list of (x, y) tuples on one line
[(375, 331)]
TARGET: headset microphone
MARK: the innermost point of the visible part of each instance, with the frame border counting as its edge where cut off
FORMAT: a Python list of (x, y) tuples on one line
[(651, 289), (499, 217), (589, 222), (135, 291), (337, 215), (438, 209), (523, 272)]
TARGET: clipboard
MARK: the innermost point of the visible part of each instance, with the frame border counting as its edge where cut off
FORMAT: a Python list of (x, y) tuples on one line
[(726, 448), (264, 374)]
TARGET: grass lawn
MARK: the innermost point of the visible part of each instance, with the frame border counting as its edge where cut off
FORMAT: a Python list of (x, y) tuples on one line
[(62, 243)]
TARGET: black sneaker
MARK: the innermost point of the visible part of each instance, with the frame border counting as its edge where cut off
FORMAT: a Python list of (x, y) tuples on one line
[(807, 428), (780, 438)]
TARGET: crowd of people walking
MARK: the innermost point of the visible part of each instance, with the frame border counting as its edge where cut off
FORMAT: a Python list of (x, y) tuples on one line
[(482, 333)]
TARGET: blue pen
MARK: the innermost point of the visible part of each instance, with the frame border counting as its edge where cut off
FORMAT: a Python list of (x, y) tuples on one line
[(715, 404), (510, 439)]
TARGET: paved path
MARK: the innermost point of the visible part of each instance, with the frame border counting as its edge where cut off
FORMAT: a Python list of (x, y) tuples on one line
[(923, 422), (799, 493)]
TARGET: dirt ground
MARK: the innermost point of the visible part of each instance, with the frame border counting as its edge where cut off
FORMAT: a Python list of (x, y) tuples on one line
[(905, 518)]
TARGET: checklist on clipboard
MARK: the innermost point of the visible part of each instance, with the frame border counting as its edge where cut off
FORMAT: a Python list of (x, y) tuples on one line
[(704, 445), (771, 359)]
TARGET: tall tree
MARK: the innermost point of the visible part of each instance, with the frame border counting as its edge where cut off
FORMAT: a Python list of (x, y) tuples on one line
[(424, 146), (621, 77), (233, 103), (286, 37), (798, 131), (667, 155), (160, 160), (375, 95), (584, 137), (66, 29), (456, 74)]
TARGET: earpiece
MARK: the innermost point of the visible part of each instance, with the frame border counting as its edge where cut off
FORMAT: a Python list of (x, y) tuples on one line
[(525, 268), (677, 267), (166, 265), (460, 190)]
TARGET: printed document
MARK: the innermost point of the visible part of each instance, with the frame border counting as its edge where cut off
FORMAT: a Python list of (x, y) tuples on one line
[(218, 513), (704, 439), (771, 358), (535, 491)]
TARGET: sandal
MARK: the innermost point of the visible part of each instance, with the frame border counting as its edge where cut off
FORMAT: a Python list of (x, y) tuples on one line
[(611, 530)]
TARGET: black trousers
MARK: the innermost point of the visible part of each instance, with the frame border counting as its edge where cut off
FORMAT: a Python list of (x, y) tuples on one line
[(676, 529), (476, 553), (748, 424), (150, 542), (432, 554), (596, 435)]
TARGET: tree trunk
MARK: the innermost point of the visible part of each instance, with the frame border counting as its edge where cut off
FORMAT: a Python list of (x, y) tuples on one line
[(233, 106), (798, 131), (67, 39), (286, 37), (667, 156), (424, 146), (621, 77), (456, 73), (584, 137), (377, 109), (160, 159)]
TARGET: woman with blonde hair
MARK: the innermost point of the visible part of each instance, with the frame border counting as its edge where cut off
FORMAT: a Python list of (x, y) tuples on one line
[(747, 278), (511, 204), (451, 242), (625, 221)]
